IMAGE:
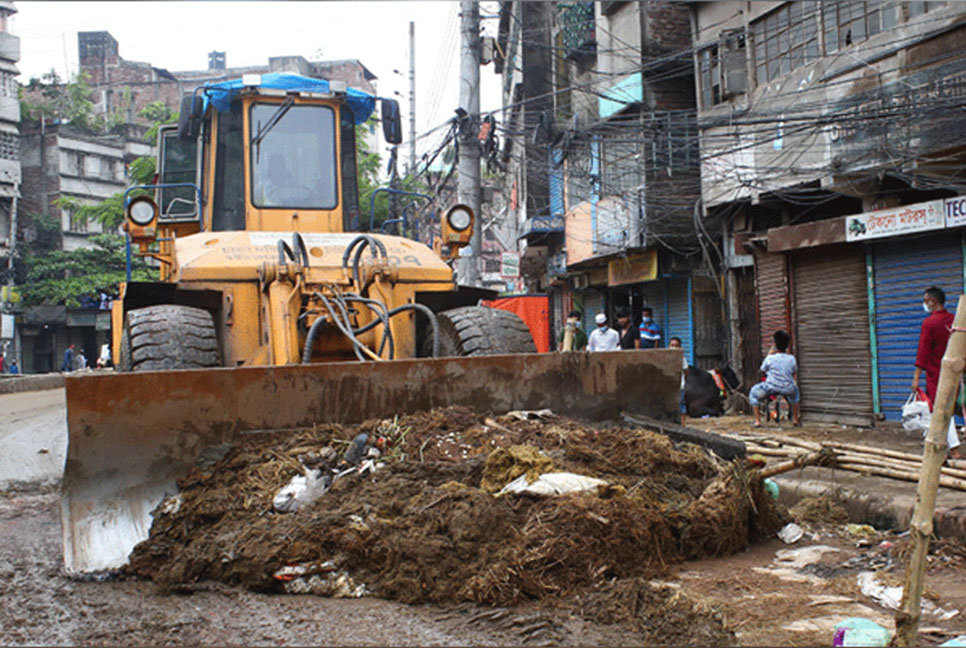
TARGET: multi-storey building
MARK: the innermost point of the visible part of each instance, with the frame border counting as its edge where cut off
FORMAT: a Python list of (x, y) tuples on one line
[(615, 111), (832, 147), (10, 175)]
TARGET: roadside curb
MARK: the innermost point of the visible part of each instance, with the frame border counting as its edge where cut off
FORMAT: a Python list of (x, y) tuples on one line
[(17, 384), (882, 505)]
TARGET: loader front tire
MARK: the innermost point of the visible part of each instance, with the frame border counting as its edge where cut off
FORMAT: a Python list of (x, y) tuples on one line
[(478, 331), (160, 338)]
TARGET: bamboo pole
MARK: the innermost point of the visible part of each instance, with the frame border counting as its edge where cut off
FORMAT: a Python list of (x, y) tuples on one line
[(815, 458), (903, 475), (920, 529), (847, 457)]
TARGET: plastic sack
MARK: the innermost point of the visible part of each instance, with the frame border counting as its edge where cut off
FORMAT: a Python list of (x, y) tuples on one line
[(856, 631), (553, 484), (915, 413)]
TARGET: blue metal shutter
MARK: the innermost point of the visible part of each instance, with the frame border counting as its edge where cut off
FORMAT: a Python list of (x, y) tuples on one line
[(678, 291), (904, 268)]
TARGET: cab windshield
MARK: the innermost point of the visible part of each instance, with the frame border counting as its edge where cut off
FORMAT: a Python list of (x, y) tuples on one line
[(293, 156)]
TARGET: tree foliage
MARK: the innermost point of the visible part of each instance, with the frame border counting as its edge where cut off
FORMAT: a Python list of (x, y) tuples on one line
[(65, 277), (70, 103)]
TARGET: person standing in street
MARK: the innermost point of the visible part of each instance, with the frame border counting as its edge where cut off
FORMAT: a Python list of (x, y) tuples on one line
[(933, 337), (578, 339), (68, 364), (629, 335), (650, 330), (603, 338)]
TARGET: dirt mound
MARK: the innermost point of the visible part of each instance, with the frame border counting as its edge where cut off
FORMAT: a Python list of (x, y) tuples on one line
[(421, 529), (823, 509)]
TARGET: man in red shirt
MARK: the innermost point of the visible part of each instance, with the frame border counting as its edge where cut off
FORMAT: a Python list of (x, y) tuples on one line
[(933, 337)]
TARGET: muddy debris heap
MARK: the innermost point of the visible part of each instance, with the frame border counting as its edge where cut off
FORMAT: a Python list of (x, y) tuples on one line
[(426, 522)]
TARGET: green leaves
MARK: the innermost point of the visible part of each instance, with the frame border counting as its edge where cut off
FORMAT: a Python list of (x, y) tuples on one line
[(63, 277)]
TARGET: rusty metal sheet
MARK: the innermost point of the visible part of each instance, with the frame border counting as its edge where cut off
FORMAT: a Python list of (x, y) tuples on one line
[(793, 237), (131, 436)]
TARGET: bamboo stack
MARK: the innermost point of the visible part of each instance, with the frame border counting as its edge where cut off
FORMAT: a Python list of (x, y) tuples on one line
[(867, 460)]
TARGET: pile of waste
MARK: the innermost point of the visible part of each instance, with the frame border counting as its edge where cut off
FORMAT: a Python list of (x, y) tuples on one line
[(450, 505)]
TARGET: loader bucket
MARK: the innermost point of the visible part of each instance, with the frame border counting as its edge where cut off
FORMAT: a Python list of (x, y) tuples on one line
[(132, 436)]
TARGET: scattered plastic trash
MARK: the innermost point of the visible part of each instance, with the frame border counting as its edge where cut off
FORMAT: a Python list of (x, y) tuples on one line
[(888, 597), (791, 533), (885, 544), (530, 415), (860, 530), (771, 487), (955, 641), (798, 558), (856, 631), (553, 484), (891, 597), (301, 490)]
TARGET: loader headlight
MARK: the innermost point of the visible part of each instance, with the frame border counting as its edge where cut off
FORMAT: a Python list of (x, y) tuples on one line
[(141, 211), (459, 218)]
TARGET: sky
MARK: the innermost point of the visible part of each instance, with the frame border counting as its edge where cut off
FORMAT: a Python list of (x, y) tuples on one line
[(178, 36)]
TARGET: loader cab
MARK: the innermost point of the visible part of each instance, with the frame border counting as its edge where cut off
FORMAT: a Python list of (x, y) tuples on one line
[(265, 158)]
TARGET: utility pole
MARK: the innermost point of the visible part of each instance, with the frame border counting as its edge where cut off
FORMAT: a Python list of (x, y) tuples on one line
[(412, 97), (469, 162)]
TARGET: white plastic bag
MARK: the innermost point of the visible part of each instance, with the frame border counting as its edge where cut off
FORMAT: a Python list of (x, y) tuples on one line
[(915, 414)]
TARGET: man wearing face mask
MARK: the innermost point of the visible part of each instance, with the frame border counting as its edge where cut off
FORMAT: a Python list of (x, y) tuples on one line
[(578, 339), (650, 330), (603, 338), (933, 337)]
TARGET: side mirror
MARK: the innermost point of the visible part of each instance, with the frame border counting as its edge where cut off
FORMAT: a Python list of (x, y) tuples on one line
[(391, 121), (189, 121)]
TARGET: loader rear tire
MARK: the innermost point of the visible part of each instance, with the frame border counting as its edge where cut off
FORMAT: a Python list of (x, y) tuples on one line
[(160, 338), (478, 331)]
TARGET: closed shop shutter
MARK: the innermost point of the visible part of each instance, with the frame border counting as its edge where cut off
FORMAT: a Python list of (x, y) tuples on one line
[(771, 284), (831, 339), (679, 315), (593, 304), (903, 269)]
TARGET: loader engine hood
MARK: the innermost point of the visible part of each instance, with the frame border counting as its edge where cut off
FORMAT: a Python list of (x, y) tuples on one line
[(237, 256)]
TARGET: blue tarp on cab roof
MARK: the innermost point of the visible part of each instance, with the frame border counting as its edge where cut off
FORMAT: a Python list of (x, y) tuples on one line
[(220, 94)]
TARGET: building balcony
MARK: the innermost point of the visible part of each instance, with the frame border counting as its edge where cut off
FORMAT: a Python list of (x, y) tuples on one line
[(9, 47)]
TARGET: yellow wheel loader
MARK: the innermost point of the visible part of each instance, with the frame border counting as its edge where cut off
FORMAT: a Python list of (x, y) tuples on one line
[(274, 310)]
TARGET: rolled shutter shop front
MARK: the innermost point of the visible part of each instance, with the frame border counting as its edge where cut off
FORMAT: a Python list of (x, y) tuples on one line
[(831, 337), (903, 268), (771, 285)]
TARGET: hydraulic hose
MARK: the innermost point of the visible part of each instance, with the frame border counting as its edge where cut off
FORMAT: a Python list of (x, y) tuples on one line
[(298, 245), (433, 322), (284, 251), (358, 347), (380, 310)]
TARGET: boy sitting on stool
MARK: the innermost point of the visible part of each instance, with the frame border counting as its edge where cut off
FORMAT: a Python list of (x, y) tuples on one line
[(780, 369)]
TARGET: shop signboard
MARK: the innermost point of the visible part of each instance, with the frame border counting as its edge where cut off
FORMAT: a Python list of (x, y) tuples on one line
[(632, 269), (956, 211), (921, 217)]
